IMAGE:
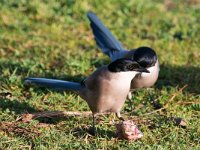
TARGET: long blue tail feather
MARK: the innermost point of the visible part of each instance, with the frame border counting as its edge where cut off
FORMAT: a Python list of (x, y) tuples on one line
[(54, 84)]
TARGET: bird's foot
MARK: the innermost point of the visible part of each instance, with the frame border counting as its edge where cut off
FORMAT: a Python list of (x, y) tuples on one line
[(119, 116), (92, 131)]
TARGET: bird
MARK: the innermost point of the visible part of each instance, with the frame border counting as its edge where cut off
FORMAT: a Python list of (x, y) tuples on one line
[(110, 46), (105, 90)]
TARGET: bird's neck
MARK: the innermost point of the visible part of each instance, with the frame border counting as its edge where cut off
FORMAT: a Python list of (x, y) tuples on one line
[(125, 75)]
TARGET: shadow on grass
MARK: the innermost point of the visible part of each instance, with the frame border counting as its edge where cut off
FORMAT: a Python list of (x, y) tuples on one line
[(100, 133), (13, 67), (180, 76), (80, 131), (16, 106)]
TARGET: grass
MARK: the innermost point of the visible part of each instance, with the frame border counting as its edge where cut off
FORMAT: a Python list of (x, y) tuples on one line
[(53, 39)]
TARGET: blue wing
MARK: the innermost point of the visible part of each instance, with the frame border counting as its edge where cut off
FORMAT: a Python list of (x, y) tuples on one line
[(104, 38)]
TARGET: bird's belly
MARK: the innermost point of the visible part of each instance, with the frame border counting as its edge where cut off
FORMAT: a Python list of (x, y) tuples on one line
[(110, 105), (143, 83), (108, 101)]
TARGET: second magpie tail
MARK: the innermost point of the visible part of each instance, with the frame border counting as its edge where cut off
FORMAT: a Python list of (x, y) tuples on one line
[(108, 44)]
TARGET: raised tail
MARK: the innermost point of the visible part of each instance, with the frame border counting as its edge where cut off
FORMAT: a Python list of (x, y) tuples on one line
[(104, 38), (54, 84)]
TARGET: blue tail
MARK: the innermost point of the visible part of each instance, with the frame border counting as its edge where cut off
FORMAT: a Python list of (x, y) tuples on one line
[(55, 84), (104, 38)]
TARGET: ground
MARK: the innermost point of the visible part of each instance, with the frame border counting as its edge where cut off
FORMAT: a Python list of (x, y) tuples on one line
[(53, 39)]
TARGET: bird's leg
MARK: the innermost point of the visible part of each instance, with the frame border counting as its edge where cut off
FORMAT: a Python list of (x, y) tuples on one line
[(119, 116), (92, 130), (129, 97), (93, 124)]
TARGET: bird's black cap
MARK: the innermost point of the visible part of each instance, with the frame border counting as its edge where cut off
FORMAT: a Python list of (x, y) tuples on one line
[(122, 65), (145, 56)]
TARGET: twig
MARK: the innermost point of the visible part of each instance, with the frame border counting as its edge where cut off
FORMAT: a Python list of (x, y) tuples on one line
[(52, 114), (188, 103), (174, 95)]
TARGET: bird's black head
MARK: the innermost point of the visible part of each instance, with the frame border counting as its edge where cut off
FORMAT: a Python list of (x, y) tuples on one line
[(145, 56), (123, 65)]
